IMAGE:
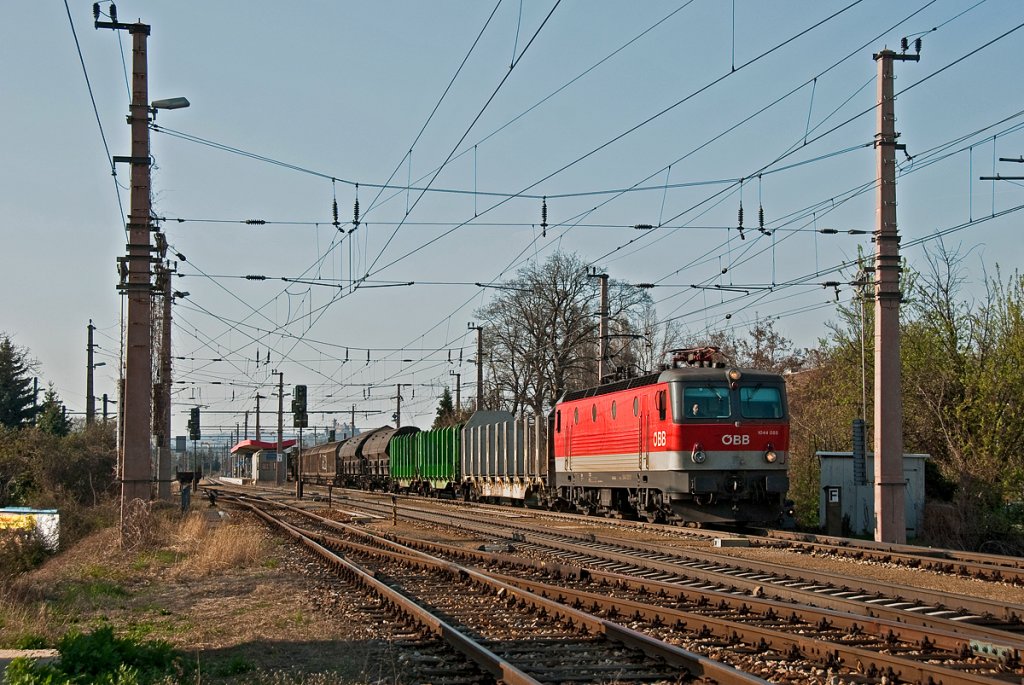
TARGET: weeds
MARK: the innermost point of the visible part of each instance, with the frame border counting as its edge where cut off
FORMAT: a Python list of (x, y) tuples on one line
[(20, 551), (100, 657)]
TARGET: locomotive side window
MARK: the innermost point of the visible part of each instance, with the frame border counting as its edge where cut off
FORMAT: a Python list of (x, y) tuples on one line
[(558, 421), (702, 402), (760, 402), (660, 401), (636, 406)]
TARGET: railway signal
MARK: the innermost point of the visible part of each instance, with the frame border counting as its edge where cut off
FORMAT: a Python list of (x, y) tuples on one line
[(194, 432), (299, 416)]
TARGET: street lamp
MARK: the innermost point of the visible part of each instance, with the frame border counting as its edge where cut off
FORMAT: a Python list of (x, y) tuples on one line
[(169, 103)]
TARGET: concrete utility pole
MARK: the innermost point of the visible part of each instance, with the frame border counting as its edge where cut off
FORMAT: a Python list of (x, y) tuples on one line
[(162, 413), (398, 403), (352, 427), (136, 401), (258, 398), (890, 511), (90, 393), (479, 364), (458, 391), (602, 330), (280, 423), (136, 469)]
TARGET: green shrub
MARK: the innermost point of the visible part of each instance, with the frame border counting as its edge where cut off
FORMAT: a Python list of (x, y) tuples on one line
[(99, 657)]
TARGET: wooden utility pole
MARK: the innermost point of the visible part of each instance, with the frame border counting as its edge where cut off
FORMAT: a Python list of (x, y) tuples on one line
[(890, 507)]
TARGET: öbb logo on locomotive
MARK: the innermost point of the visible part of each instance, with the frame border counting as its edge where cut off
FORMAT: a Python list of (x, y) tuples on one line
[(612, 450)]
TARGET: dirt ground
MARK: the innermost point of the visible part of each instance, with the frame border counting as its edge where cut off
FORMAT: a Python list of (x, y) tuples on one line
[(270, 618), (248, 606)]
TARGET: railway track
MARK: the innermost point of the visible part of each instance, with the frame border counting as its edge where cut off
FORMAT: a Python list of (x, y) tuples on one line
[(510, 634), (990, 567), (997, 619), (986, 567), (716, 622), (995, 624)]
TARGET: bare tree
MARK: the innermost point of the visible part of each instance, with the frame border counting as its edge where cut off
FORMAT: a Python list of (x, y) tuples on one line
[(541, 332)]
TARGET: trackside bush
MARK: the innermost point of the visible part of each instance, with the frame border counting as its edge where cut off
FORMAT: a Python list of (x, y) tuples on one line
[(99, 657)]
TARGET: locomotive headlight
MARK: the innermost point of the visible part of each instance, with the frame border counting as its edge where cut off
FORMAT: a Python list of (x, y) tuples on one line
[(734, 374), (770, 456), (698, 455)]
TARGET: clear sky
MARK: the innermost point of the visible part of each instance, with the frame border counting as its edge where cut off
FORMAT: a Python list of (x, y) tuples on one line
[(295, 103)]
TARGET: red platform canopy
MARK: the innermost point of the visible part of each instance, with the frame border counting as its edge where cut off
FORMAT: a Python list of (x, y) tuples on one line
[(250, 446)]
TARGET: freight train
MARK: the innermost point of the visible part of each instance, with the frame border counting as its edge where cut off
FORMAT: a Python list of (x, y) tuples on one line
[(694, 443)]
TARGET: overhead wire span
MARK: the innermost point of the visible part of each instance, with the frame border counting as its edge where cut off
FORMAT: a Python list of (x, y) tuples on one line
[(469, 128), (96, 112)]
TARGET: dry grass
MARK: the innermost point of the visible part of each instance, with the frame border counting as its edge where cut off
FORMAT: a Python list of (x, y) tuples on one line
[(225, 591), (212, 549)]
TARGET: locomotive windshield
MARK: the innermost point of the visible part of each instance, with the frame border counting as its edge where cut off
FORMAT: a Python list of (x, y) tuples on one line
[(716, 401), (705, 401), (760, 402)]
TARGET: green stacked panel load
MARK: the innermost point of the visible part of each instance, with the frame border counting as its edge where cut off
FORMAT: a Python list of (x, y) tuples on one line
[(403, 459), (440, 454), (427, 457)]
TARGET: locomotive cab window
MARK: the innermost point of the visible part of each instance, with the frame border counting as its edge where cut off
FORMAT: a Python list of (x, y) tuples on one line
[(702, 402), (661, 402), (760, 402)]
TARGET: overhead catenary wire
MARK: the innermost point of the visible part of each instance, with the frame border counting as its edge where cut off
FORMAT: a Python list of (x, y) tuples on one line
[(410, 222), (96, 112)]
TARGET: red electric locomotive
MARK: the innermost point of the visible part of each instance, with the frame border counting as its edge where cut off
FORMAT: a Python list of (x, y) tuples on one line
[(695, 443)]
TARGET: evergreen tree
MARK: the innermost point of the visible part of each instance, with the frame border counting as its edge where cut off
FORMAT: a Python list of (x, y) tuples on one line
[(445, 411), (52, 417), (16, 396)]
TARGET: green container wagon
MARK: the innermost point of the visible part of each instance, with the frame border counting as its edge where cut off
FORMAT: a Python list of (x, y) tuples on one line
[(403, 460), (427, 461)]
